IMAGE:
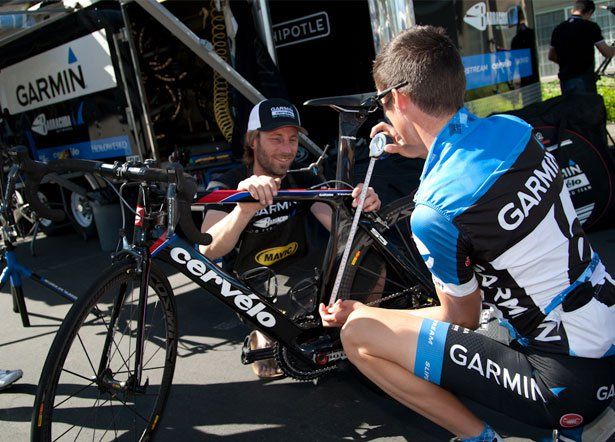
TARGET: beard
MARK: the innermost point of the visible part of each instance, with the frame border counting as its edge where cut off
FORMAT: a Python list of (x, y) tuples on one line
[(273, 166)]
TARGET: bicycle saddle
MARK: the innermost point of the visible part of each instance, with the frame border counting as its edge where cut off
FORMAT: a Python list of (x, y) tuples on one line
[(348, 103)]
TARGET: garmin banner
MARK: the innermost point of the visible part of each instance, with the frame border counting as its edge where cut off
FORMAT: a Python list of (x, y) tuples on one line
[(497, 67), (71, 70)]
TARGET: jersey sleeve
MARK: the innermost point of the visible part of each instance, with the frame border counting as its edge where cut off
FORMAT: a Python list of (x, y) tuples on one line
[(596, 33), (440, 244)]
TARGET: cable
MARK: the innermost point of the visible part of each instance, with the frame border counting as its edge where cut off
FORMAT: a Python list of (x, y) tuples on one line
[(222, 112)]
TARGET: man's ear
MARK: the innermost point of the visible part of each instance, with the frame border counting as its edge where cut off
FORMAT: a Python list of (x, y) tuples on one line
[(400, 100)]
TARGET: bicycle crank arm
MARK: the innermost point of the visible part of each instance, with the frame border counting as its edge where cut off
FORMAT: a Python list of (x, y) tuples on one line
[(249, 355)]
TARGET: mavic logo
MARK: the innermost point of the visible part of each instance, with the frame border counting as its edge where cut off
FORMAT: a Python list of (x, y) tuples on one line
[(478, 17)]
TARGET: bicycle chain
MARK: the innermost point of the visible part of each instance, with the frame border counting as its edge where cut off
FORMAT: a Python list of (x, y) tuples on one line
[(386, 298), (288, 363)]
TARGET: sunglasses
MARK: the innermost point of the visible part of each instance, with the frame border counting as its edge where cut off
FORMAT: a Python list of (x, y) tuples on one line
[(378, 99)]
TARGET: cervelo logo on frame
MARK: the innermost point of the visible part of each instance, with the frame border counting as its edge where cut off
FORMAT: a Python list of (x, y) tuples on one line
[(244, 302), (478, 17)]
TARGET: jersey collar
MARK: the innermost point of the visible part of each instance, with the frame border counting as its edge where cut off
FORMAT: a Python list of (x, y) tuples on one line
[(452, 131)]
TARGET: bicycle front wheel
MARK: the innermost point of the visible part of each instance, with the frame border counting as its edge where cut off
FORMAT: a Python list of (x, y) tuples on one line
[(89, 385), (373, 276)]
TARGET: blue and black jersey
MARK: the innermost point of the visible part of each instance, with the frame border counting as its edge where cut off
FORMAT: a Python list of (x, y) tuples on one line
[(492, 212)]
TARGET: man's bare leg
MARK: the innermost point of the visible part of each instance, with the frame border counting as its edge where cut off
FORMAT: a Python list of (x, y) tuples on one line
[(382, 345)]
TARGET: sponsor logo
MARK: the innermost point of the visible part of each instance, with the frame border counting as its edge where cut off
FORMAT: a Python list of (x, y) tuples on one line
[(478, 17), (248, 303), (77, 68), (58, 84), (503, 298), (301, 29), (606, 392), (514, 213), (379, 237), (571, 420), (277, 207), (282, 112), (522, 385), (264, 223), (42, 126), (270, 256), (575, 179)]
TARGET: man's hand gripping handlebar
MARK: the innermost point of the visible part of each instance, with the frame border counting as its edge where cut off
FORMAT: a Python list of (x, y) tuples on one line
[(34, 172)]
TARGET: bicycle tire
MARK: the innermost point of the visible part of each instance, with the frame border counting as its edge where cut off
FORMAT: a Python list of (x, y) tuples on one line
[(69, 381), (369, 277)]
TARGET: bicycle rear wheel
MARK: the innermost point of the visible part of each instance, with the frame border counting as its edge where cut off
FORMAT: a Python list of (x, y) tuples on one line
[(374, 278), (87, 388)]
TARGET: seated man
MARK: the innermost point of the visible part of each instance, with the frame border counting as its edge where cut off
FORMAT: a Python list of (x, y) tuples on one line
[(494, 223), (253, 228)]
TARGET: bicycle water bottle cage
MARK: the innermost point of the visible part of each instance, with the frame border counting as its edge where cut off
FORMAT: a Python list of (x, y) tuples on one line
[(304, 295), (262, 280)]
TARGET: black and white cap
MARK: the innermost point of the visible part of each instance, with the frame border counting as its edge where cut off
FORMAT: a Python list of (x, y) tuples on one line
[(273, 113)]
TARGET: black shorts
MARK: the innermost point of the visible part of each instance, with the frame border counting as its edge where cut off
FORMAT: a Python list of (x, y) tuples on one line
[(542, 389)]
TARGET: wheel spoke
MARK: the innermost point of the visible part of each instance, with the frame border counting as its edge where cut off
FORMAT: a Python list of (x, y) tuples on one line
[(87, 402), (73, 395)]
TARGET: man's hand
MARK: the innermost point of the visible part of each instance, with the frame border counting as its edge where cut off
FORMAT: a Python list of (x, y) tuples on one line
[(399, 147), (337, 314), (372, 201), (262, 188)]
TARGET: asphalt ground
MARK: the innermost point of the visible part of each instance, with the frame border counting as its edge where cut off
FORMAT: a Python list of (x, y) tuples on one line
[(214, 395)]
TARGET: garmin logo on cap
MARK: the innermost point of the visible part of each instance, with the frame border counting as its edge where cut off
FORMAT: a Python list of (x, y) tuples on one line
[(282, 112)]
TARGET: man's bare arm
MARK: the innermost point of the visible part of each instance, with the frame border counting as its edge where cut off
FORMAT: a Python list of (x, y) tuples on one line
[(225, 230), (463, 311), (606, 50)]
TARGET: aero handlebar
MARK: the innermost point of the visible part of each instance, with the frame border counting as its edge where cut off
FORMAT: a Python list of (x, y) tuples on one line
[(35, 171)]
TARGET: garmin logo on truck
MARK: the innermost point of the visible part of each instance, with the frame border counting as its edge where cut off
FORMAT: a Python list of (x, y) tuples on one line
[(514, 213), (49, 87), (244, 302), (80, 67)]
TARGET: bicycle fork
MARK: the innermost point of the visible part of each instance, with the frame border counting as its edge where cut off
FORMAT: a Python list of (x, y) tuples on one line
[(105, 375)]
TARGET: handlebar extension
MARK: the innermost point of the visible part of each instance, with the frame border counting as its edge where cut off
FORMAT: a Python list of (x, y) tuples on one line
[(35, 171)]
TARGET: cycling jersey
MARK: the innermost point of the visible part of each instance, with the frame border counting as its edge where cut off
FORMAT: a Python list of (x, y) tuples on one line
[(492, 212)]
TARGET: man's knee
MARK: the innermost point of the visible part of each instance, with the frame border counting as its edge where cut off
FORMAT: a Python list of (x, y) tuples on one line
[(356, 332)]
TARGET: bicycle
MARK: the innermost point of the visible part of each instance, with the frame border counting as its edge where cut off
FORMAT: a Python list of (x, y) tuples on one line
[(14, 271), (128, 317)]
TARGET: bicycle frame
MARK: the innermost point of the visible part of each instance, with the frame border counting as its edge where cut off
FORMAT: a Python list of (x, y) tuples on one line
[(256, 308), (14, 271)]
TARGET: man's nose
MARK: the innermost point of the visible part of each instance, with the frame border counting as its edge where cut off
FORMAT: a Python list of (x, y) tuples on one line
[(287, 146)]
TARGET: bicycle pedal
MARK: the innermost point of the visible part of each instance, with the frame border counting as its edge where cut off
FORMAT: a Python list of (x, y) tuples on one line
[(249, 355)]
